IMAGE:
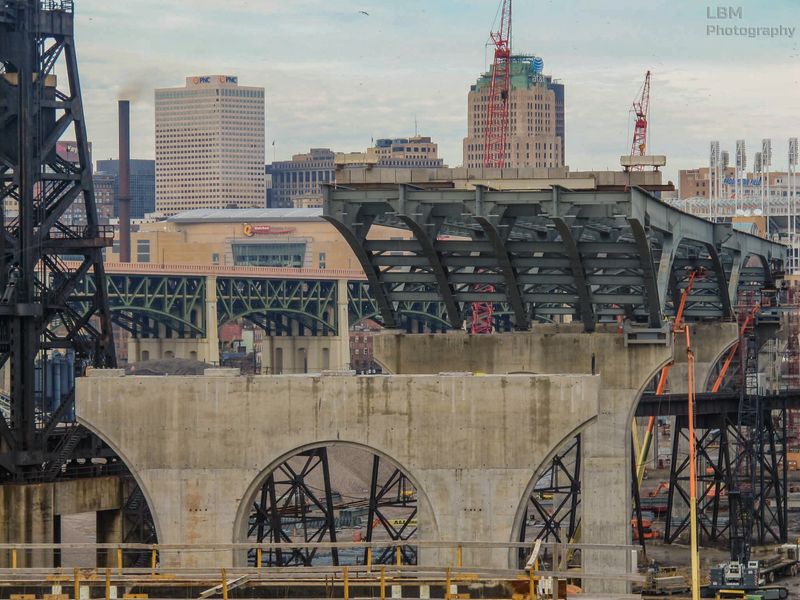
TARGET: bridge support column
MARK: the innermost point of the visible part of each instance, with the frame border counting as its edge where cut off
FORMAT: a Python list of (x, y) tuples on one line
[(109, 531), (294, 354), (26, 515), (212, 333), (28, 511), (560, 349)]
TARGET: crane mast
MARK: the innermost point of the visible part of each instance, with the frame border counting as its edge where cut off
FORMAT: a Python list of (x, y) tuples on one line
[(495, 137), (495, 133), (641, 110)]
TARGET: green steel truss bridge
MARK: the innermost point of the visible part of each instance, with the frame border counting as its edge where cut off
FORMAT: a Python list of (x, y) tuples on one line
[(152, 300)]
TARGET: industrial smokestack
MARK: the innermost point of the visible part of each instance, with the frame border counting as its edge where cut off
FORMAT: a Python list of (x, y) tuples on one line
[(124, 181)]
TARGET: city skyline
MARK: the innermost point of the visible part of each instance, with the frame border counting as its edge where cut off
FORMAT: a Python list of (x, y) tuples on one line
[(372, 75)]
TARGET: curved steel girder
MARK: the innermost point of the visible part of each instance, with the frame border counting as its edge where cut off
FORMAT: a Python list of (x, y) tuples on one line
[(581, 285), (648, 273), (416, 314), (376, 285), (521, 319), (265, 312), (722, 281), (439, 272), (161, 317)]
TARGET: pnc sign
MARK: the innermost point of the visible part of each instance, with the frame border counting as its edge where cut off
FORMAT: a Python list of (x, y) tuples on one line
[(216, 79), (251, 230)]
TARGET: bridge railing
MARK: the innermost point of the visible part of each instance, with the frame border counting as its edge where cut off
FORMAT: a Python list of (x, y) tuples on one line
[(154, 564), (231, 271)]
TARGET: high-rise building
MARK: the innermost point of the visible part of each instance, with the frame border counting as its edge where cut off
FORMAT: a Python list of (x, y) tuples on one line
[(105, 195), (76, 212), (143, 185), (209, 145), (300, 178), (536, 117)]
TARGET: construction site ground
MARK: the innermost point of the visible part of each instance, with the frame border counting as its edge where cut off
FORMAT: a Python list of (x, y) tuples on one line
[(677, 555)]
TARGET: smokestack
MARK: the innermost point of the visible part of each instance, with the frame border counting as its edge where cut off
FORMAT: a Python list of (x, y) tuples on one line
[(124, 181)]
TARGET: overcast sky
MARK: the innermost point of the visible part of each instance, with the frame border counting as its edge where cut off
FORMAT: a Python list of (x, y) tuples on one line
[(335, 77)]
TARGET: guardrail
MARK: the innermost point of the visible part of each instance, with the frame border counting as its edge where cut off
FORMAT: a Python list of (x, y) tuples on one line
[(553, 561)]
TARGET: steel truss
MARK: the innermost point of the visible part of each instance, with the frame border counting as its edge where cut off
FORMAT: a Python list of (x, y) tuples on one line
[(37, 187), (723, 466), (389, 497), (173, 305), (289, 508), (552, 513)]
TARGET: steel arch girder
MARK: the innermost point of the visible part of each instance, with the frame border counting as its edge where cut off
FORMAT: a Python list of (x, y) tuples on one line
[(384, 304), (454, 315), (509, 273)]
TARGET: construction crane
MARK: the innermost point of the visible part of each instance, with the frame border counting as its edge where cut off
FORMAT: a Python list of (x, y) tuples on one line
[(495, 132), (495, 136), (641, 111)]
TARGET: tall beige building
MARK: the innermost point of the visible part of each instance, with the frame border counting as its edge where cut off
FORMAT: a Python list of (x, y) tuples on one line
[(209, 145), (536, 118)]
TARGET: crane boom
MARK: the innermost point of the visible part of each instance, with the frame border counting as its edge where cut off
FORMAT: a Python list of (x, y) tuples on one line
[(641, 110)]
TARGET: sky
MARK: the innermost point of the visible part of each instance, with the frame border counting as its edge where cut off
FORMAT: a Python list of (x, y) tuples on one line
[(336, 77)]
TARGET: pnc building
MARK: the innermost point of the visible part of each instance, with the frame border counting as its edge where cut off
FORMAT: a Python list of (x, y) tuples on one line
[(536, 117), (209, 145)]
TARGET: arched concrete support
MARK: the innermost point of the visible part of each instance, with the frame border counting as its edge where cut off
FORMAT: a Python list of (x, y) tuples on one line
[(197, 444), (624, 371), (427, 527)]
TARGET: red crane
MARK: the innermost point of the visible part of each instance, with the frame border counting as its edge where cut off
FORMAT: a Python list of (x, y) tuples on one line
[(641, 110), (495, 131), (495, 136)]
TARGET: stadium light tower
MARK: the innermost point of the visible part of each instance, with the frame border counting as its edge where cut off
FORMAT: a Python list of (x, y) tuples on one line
[(791, 223), (766, 160)]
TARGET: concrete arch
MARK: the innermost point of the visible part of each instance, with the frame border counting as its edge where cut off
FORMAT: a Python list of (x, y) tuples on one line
[(712, 371), (428, 525), (540, 469), (537, 474), (130, 465)]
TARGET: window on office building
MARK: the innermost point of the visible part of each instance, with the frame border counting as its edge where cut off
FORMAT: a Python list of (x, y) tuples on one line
[(143, 251), (321, 260), (269, 255)]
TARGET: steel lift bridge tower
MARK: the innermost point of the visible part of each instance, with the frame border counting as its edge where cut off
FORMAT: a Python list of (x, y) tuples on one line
[(37, 187)]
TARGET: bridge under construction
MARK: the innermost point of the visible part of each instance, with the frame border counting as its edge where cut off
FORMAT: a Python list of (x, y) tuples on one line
[(227, 481)]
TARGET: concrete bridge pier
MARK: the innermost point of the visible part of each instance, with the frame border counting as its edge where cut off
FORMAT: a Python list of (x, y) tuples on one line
[(30, 513), (212, 441), (624, 371), (293, 354)]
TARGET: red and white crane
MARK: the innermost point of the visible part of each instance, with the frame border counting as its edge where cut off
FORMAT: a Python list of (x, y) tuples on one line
[(495, 137), (495, 132), (641, 111)]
